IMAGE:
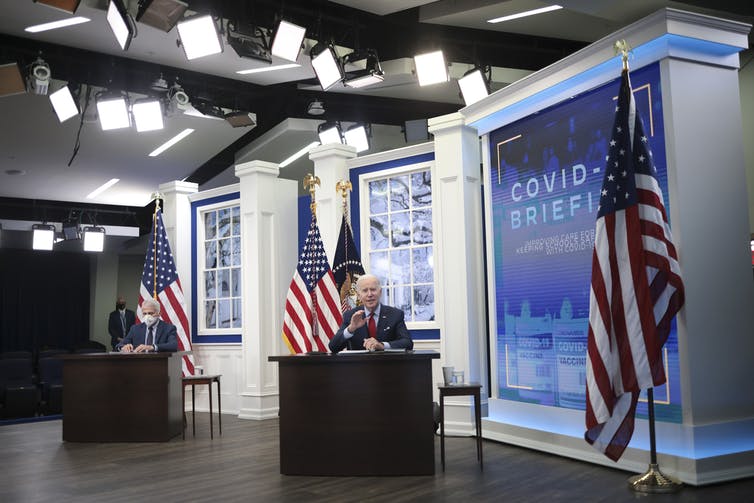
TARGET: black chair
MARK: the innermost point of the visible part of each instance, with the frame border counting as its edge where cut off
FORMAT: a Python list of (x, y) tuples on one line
[(48, 353), (18, 393), (51, 385)]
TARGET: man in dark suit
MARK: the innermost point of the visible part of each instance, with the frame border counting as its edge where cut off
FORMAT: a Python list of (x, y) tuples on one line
[(372, 326), (120, 322), (152, 335)]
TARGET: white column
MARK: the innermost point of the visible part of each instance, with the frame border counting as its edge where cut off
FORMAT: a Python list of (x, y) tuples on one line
[(457, 195), (176, 215), (268, 242), (330, 166)]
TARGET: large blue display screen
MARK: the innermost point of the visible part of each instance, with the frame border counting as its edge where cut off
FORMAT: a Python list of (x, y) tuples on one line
[(545, 178)]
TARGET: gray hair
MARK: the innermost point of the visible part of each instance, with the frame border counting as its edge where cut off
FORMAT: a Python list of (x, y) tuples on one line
[(151, 302), (365, 277)]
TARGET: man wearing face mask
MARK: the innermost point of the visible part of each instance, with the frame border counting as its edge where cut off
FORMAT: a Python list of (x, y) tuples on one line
[(120, 322), (153, 334)]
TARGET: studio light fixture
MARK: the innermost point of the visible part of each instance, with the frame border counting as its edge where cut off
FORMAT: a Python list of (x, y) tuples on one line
[(121, 23), (70, 229), (206, 107), (315, 107), (329, 132), (54, 25), (326, 65), (474, 85), (177, 99), (287, 41), (161, 14), (43, 236), (241, 119), (68, 6), (532, 12), (371, 74), (147, 115), (431, 68), (94, 239), (199, 37), (249, 42), (64, 104), (39, 77), (112, 109), (356, 136)]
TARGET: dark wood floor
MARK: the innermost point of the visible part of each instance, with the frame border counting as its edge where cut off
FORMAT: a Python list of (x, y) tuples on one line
[(242, 465)]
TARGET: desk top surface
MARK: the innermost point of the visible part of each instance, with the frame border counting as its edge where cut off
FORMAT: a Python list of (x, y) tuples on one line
[(346, 356)]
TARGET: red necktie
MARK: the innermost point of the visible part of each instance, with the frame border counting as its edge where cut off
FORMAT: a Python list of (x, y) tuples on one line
[(371, 327)]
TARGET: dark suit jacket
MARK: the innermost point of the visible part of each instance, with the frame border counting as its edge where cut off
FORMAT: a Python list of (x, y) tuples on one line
[(115, 328), (165, 337), (390, 327)]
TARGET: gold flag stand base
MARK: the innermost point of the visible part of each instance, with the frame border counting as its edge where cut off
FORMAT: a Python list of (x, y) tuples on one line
[(653, 481)]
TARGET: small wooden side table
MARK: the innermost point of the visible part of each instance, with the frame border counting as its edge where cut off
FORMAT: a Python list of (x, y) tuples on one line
[(464, 389), (208, 380)]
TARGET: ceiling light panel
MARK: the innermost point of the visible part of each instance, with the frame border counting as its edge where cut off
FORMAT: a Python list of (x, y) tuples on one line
[(527, 13), (327, 68), (357, 137), (113, 113), (64, 104), (431, 68), (148, 115), (288, 40), (473, 87), (120, 23), (199, 37)]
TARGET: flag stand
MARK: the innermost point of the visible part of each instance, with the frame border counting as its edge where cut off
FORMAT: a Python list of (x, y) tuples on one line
[(653, 480)]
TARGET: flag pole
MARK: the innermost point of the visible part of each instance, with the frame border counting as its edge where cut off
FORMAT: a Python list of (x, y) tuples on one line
[(310, 184), (344, 187), (653, 480), (156, 197)]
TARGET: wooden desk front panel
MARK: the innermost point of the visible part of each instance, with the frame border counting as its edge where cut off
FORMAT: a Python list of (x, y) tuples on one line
[(350, 415), (122, 398)]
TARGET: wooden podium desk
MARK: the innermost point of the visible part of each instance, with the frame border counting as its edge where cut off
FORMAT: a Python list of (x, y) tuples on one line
[(122, 397), (357, 414)]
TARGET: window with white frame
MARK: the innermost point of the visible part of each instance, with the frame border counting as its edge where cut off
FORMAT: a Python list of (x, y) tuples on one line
[(220, 268), (401, 242)]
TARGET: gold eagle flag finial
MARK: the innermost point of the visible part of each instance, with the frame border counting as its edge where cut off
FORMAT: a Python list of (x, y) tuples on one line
[(310, 184), (621, 47)]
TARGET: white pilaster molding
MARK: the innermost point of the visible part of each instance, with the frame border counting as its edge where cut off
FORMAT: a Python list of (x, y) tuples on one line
[(176, 215), (457, 195), (267, 204), (330, 166)]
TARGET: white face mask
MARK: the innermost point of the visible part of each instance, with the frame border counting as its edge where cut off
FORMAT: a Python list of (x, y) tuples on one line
[(150, 320)]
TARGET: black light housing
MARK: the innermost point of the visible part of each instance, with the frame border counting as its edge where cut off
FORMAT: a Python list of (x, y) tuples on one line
[(327, 66), (121, 23), (329, 133), (205, 106), (371, 74), (249, 42)]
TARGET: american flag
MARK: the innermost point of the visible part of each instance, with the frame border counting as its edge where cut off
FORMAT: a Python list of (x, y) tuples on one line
[(312, 306), (160, 266), (636, 285), (346, 266)]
